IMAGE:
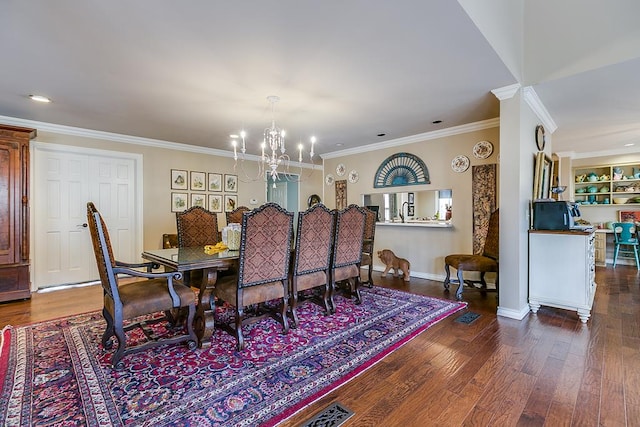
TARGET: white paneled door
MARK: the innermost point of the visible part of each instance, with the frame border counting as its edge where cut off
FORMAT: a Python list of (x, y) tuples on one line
[(65, 179)]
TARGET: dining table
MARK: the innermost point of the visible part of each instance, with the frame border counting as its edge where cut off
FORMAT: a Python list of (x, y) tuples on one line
[(196, 258)]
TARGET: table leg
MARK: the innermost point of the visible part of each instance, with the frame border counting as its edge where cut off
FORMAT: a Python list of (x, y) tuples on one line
[(204, 319)]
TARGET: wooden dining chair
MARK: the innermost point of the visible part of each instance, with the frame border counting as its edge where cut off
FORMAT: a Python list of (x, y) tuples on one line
[(263, 269), (367, 244), (124, 303), (312, 257), (486, 262), (196, 227), (625, 239), (235, 216), (347, 251)]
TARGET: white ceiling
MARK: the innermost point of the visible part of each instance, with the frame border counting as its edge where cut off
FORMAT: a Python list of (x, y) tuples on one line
[(195, 71)]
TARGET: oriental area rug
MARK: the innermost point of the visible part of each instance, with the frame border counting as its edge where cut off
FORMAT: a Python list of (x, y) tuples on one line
[(56, 372)]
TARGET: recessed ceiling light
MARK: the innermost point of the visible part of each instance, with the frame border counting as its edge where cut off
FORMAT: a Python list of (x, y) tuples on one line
[(39, 98), (435, 122), (629, 144), (233, 135), (338, 144)]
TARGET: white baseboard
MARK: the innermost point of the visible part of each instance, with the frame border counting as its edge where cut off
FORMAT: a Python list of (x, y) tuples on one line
[(514, 314)]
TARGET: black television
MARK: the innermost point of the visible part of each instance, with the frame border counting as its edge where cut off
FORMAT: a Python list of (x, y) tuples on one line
[(376, 209)]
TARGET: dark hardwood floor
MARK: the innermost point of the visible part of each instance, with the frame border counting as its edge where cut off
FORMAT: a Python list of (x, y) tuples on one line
[(546, 370)]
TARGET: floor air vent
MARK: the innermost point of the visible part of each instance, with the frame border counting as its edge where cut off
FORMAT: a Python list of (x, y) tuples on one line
[(332, 416), (468, 317)]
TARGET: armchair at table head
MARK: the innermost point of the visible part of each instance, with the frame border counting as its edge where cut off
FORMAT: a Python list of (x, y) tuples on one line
[(367, 245), (484, 263), (263, 268), (347, 251), (196, 227), (154, 293), (625, 238), (312, 257), (235, 216)]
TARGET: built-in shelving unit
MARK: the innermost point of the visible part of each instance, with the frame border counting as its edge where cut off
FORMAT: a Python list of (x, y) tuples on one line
[(606, 185)]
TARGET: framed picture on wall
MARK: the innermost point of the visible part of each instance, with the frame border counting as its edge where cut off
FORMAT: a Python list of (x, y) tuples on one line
[(230, 202), (179, 202), (231, 183), (214, 182), (215, 202), (198, 199), (197, 181), (629, 216), (179, 179)]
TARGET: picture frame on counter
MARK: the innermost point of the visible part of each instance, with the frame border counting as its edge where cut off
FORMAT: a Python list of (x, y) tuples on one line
[(629, 216), (542, 176)]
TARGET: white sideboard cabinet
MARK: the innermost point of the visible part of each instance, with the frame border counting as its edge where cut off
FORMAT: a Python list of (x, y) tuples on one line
[(562, 270)]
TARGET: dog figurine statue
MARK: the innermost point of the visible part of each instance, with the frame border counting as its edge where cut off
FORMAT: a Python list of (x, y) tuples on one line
[(390, 260)]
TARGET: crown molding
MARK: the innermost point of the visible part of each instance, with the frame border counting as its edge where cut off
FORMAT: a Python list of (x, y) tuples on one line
[(421, 137), (506, 92), (603, 153), (531, 98), (133, 140)]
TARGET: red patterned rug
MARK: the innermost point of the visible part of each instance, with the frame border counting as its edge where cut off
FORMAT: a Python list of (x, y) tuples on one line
[(56, 373)]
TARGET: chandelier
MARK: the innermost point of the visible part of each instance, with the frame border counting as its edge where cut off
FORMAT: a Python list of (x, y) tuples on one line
[(273, 152)]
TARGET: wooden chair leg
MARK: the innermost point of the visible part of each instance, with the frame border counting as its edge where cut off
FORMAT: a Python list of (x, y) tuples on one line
[(460, 285), (447, 280)]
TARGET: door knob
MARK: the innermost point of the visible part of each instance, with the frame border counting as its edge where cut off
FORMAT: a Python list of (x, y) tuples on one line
[(85, 225)]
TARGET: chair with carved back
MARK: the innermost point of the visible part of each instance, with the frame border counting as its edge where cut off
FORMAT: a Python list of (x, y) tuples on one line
[(347, 251), (367, 245), (235, 216), (312, 257), (487, 262), (625, 239), (126, 302), (196, 227), (263, 270)]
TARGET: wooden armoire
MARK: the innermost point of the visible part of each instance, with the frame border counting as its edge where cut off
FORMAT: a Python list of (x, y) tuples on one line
[(14, 212)]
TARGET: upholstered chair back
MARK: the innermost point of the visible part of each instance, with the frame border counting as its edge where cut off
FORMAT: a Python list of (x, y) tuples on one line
[(235, 216), (492, 240), (197, 227), (265, 246), (314, 239), (349, 236)]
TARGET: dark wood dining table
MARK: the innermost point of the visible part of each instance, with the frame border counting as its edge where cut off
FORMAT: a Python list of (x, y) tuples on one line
[(195, 258)]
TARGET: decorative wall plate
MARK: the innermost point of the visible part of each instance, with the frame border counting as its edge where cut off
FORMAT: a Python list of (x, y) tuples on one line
[(353, 176), (482, 149), (540, 138), (341, 169), (329, 179), (460, 163)]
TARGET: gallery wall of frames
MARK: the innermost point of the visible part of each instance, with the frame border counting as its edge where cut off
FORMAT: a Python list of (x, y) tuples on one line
[(213, 191)]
